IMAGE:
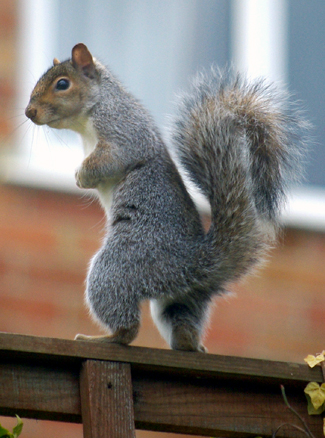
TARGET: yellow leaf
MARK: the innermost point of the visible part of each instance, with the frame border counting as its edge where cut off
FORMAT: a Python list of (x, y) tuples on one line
[(316, 394), (312, 360)]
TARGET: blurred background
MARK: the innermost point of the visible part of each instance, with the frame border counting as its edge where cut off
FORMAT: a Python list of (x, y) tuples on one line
[(49, 229)]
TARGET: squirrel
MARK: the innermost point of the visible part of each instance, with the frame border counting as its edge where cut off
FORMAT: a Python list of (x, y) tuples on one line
[(236, 141)]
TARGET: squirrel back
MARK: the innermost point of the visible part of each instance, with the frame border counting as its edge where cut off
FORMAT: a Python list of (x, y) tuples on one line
[(238, 144)]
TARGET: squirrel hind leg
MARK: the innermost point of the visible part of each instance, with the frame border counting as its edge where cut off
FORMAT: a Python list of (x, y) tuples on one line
[(180, 323)]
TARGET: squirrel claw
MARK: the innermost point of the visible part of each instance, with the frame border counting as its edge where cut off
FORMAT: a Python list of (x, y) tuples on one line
[(80, 337)]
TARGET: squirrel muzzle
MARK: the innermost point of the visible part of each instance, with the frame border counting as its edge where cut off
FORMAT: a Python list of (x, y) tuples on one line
[(31, 113)]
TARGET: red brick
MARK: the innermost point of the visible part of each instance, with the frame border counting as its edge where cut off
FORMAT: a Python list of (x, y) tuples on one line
[(315, 315)]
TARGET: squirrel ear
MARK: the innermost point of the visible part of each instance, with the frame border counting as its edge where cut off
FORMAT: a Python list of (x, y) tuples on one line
[(56, 61), (82, 60)]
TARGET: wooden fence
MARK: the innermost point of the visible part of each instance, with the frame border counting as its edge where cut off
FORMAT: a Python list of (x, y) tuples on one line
[(114, 390)]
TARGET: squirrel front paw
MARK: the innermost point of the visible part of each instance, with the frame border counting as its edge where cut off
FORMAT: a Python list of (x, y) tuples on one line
[(85, 180)]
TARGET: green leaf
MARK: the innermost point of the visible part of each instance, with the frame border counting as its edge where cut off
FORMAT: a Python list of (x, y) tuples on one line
[(18, 428), (4, 433)]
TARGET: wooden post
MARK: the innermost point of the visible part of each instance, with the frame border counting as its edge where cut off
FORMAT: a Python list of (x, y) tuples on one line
[(106, 400)]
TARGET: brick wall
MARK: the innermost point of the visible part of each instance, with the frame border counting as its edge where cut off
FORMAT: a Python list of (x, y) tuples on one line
[(48, 238)]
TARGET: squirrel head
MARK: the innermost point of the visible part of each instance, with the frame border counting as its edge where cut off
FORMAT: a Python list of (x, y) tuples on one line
[(66, 92)]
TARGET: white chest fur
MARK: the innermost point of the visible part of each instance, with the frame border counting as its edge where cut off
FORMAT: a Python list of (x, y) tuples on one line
[(89, 142), (89, 137)]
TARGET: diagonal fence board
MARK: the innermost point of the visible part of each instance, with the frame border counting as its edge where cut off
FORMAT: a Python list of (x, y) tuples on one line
[(40, 379)]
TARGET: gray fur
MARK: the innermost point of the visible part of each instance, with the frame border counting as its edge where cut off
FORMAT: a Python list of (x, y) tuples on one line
[(238, 153)]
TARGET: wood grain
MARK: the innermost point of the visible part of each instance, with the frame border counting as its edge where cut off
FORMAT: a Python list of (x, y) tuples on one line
[(44, 392), (106, 400), (63, 350), (217, 407)]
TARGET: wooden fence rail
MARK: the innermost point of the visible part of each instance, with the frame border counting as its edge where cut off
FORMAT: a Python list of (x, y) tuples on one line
[(114, 389)]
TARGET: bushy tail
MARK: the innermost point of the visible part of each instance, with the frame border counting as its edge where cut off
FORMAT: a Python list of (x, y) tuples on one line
[(240, 145)]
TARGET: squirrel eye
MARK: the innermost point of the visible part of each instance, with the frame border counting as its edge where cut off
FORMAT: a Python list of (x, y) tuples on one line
[(62, 84)]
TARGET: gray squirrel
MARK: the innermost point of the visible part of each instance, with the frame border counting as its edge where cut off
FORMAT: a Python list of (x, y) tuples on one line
[(237, 143)]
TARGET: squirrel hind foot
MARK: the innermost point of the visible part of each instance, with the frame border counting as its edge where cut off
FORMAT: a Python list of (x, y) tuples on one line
[(186, 338), (122, 336), (181, 323)]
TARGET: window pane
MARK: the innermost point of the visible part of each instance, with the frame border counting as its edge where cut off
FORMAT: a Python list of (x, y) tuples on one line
[(306, 75)]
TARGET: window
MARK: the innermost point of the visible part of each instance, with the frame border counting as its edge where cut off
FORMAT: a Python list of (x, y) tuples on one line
[(152, 46), (283, 41)]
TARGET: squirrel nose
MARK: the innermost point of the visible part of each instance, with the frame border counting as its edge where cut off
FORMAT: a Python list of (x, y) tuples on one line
[(31, 112)]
